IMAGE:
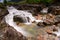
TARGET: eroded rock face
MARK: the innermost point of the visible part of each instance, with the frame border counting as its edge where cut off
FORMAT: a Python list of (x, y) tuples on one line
[(11, 34), (3, 13)]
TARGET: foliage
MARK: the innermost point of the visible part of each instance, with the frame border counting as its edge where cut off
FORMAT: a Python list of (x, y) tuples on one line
[(33, 1), (38, 1), (5, 1), (2, 6), (22, 2), (47, 1), (10, 3), (29, 2)]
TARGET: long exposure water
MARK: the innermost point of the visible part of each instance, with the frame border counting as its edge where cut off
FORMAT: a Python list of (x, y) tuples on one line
[(24, 14)]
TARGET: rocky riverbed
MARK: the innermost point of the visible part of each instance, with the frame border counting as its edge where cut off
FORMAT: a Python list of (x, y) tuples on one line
[(40, 31)]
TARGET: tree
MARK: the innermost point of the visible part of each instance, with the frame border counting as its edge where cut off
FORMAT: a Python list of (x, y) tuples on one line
[(5, 1)]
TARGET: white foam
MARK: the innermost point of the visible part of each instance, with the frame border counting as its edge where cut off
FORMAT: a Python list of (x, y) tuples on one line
[(45, 10), (24, 14)]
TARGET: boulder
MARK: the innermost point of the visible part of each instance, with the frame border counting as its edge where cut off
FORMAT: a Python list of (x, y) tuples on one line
[(54, 10), (19, 19), (57, 18), (3, 13), (40, 24), (10, 33), (49, 19)]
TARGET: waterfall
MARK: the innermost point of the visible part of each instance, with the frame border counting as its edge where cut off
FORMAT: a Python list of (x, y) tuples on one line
[(9, 19), (24, 14)]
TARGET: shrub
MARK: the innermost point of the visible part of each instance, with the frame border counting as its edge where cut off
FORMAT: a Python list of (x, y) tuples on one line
[(33, 1), (39, 1)]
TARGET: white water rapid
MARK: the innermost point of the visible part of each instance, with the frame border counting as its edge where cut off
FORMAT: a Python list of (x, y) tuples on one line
[(24, 14), (9, 20)]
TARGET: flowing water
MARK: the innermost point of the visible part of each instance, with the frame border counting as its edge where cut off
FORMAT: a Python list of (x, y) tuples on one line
[(31, 31), (44, 10), (9, 20), (24, 14)]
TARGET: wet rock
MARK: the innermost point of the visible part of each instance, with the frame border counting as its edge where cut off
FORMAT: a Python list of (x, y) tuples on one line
[(2, 24), (38, 17), (54, 10), (40, 24), (19, 19), (52, 29), (49, 19), (57, 18), (49, 31), (58, 25), (55, 29), (40, 37), (3, 13), (11, 34)]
